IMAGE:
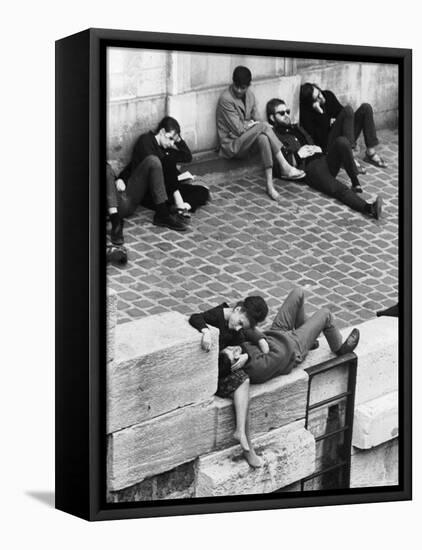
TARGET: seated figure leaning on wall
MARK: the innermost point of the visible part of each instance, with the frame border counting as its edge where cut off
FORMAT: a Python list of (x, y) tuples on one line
[(240, 134), (289, 339), (325, 119), (150, 178), (321, 169)]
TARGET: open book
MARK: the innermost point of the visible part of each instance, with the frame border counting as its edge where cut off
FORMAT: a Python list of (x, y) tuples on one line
[(185, 176)]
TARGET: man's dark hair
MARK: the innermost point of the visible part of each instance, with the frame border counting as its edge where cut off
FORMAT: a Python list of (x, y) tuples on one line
[(224, 364), (306, 94), (242, 76), (169, 124), (272, 106), (255, 309)]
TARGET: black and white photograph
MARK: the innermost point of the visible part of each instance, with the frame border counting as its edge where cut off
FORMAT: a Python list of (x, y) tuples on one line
[(252, 249)]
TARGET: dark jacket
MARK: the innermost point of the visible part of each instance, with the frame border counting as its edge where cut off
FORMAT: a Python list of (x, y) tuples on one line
[(318, 125), (147, 145), (293, 138), (264, 366)]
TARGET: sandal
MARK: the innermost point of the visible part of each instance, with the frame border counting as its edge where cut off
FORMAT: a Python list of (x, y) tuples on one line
[(296, 177), (359, 168), (357, 188), (376, 160), (184, 213)]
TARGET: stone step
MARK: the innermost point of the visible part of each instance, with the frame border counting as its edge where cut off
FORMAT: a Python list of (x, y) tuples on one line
[(288, 454), (159, 366), (376, 421), (375, 467)]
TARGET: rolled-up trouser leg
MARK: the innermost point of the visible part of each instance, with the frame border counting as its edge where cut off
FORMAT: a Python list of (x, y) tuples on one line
[(320, 178), (147, 175), (264, 149)]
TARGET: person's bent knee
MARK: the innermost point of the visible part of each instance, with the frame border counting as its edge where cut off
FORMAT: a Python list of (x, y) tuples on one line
[(366, 107), (152, 161), (298, 293)]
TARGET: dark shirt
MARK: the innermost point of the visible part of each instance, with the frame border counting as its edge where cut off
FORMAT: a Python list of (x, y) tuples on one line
[(318, 125), (147, 145), (293, 138), (227, 337), (264, 366)]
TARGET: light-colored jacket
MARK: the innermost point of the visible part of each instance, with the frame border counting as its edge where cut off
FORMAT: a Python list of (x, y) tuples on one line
[(232, 115)]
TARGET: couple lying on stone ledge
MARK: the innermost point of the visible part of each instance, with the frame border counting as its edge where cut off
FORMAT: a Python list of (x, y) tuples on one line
[(248, 355)]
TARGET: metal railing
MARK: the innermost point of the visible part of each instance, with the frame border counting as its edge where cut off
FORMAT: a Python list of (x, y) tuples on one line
[(344, 453)]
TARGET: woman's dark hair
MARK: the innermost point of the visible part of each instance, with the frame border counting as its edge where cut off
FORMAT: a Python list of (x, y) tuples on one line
[(306, 94), (169, 124), (272, 106), (255, 309), (242, 76)]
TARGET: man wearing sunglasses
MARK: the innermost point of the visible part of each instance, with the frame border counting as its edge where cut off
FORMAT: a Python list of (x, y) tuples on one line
[(321, 169)]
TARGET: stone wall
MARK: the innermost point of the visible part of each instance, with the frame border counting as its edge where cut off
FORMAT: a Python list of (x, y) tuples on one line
[(145, 85), (170, 437)]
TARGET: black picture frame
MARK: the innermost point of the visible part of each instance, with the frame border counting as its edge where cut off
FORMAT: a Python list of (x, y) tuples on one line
[(80, 273)]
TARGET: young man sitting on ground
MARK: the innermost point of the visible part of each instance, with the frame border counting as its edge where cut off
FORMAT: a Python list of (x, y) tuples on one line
[(240, 134), (321, 169)]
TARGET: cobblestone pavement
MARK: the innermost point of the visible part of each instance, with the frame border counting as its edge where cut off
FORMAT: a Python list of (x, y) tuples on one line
[(243, 243)]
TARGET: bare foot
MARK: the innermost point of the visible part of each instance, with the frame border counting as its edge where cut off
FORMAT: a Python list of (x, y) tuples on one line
[(242, 439), (275, 195), (253, 459)]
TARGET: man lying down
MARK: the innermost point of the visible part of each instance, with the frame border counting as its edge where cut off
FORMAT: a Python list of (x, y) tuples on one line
[(289, 339)]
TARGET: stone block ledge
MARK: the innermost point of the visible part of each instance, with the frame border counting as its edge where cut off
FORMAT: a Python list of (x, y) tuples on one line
[(159, 366), (376, 421), (288, 454)]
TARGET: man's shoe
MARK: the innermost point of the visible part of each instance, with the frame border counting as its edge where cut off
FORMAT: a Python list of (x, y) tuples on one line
[(172, 221), (116, 234), (116, 255), (315, 345), (376, 208), (350, 343)]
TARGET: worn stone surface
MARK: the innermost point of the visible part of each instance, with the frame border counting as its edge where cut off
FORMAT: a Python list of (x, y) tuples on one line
[(175, 484), (375, 467), (288, 453), (111, 309), (159, 366), (272, 405), (377, 354), (159, 445), (376, 421)]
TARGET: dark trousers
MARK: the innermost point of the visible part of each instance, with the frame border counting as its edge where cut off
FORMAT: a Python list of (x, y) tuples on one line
[(147, 176), (321, 175), (304, 331), (350, 125)]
